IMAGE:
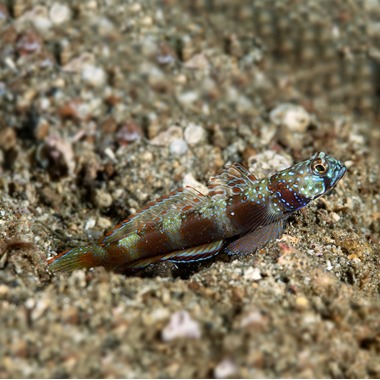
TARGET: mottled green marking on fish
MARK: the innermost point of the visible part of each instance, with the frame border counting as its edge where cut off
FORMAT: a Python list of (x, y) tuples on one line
[(240, 213)]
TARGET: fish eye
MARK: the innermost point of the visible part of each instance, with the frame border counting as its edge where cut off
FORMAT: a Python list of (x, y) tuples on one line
[(319, 166)]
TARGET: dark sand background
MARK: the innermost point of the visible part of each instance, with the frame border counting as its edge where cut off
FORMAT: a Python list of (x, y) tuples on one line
[(105, 105)]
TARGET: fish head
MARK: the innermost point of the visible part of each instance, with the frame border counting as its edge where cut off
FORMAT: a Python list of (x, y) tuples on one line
[(319, 174)]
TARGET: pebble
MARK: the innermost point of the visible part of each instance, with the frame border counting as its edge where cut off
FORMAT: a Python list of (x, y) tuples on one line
[(102, 199), (329, 267), (39, 309), (189, 180), (159, 314), (28, 43), (334, 216), (267, 163), (75, 109), (8, 138), (292, 121), (42, 129), (357, 139), (90, 223), (302, 303), (4, 290), (194, 134), (41, 19), (103, 223), (188, 98), (147, 156), (178, 147), (252, 274), (110, 154), (290, 116), (38, 16), (225, 369), (55, 150), (254, 319), (93, 75), (181, 325), (166, 137), (78, 64), (59, 13), (135, 7), (4, 14), (105, 26), (349, 164), (128, 133), (197, 62)]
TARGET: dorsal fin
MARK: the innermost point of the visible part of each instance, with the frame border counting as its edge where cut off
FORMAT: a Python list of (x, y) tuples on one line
[(234, 179), (181, 200), (237, 171)]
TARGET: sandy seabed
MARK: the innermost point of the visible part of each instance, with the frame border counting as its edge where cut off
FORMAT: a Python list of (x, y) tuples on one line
[(106, 105)]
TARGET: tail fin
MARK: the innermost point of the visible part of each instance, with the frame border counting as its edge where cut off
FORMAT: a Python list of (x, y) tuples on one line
[(78, 258)]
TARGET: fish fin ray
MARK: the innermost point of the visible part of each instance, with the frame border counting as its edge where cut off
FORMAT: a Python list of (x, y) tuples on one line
[(181, 200), (193, 254), (256, 239), (233, 180), (237, 170), (78, 258), (257, 215), (199, 253)]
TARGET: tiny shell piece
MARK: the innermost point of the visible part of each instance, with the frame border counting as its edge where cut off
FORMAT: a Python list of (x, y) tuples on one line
[(181, 325)]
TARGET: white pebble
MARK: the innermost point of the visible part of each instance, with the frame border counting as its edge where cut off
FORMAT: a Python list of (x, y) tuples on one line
[(105, 26), (59, 13), (334, 216), (197, 62), (90, 224), (45, 103), (181, 325), (110, 153), (159, 314), (188, 98), (267, 163), (94, 75), (178, 147), (194, 134), (293, 117), (166, 137), (103, 223), (252, 274), (135, 7), (40, 18), (189, 180), (225, 369), (253, 318)]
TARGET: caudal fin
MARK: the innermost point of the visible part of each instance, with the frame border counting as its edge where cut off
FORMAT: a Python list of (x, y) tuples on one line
[(78, 258)]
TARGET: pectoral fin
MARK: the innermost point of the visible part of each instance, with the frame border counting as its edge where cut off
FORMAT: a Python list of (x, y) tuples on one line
[(256, 239)]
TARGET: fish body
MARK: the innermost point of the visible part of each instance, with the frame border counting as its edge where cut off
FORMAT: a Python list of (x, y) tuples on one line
[(240, 213)]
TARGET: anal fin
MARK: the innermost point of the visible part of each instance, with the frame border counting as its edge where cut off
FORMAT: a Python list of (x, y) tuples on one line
[(256, 239), (202, 252)]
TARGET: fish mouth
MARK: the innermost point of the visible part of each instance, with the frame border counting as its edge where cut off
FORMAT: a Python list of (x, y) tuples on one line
[(341, 172), (338, 173)]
